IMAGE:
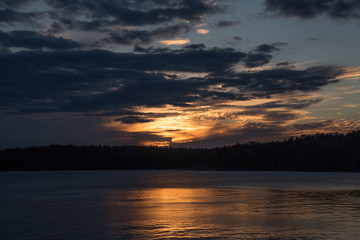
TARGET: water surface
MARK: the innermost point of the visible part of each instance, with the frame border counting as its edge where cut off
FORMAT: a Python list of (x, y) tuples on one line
[(179, 205)]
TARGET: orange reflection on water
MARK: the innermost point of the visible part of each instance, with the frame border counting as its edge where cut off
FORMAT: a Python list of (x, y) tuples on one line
[(161, 213), (253, 213)]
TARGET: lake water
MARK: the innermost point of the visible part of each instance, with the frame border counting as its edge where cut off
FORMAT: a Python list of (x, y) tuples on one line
[(87, 205)]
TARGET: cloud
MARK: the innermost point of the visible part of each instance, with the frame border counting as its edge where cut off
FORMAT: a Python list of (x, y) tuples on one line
[(90, 15), (266, 48), (223, 23), (15, 3), (81, 81), (153, 95), (263, 84), (123, 22), (178, 41), (236, 38), (129, 37), (336, 125), (306, 9), (200, 46), (261, 55), (34, 40), (132, 119), (102, 82), (257, 59), (10, 16), (202, 31), (352, 105), (288, 104)]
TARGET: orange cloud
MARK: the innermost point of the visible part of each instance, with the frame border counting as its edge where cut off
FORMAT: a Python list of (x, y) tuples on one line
[(178, 41), (202, 31), (351, 72), (351, 105), (184, 125)]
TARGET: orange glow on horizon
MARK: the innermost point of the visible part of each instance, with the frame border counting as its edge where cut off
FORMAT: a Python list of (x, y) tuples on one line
[(183, 125), (212, 118)]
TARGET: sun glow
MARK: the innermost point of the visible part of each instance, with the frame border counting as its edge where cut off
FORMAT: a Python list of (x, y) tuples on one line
[(177, 125)]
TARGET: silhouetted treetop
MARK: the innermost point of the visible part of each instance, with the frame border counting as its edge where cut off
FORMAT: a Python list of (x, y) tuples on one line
[(319, 152)]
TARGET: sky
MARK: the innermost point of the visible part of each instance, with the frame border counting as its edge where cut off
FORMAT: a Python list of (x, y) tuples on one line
[(182, 73)]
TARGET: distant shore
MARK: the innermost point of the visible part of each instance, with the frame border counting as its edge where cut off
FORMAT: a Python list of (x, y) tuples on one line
[(320, 152)]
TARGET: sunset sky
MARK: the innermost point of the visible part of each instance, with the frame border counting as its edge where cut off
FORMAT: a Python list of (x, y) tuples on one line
[(194, 73)]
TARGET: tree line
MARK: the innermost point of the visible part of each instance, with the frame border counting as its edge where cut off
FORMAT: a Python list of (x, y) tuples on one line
[(319, 152)]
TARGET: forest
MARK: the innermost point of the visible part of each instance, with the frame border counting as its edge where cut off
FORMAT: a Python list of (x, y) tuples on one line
[(319, 152)]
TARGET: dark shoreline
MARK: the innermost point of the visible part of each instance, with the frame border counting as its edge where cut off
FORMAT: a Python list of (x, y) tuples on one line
[(309, 153)]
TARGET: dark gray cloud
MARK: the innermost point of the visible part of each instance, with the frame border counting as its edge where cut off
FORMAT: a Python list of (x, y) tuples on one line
[(284, 65), (186, 59), (102, 14), (130, 37), (289, 104), (132, 119), (124, 22), (102, 82), (15, 3), (223, 23), (236, 38), (56, 78), (257, 59), (50, 81), (10, 16), (306, 9), (261, 55), (315, 125), (266, 48), (263, 84), (34, 40)]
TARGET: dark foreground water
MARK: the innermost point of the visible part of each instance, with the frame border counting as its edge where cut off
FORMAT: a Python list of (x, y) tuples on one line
[(87, 205)]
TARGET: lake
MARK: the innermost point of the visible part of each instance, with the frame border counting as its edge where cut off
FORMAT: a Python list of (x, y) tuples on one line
[(87, 205)]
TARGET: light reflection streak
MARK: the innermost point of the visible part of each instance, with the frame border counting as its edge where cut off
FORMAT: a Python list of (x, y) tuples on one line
[(226, 213), (184, 212)]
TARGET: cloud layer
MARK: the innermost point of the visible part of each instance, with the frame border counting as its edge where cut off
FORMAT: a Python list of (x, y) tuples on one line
[(99, 62), (306, 9)]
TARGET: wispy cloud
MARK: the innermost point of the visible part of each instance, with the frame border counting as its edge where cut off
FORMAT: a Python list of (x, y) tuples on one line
[(352, 105), (305, 9), (202, 31), (178, 41), (130, 66), (352, 72)]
